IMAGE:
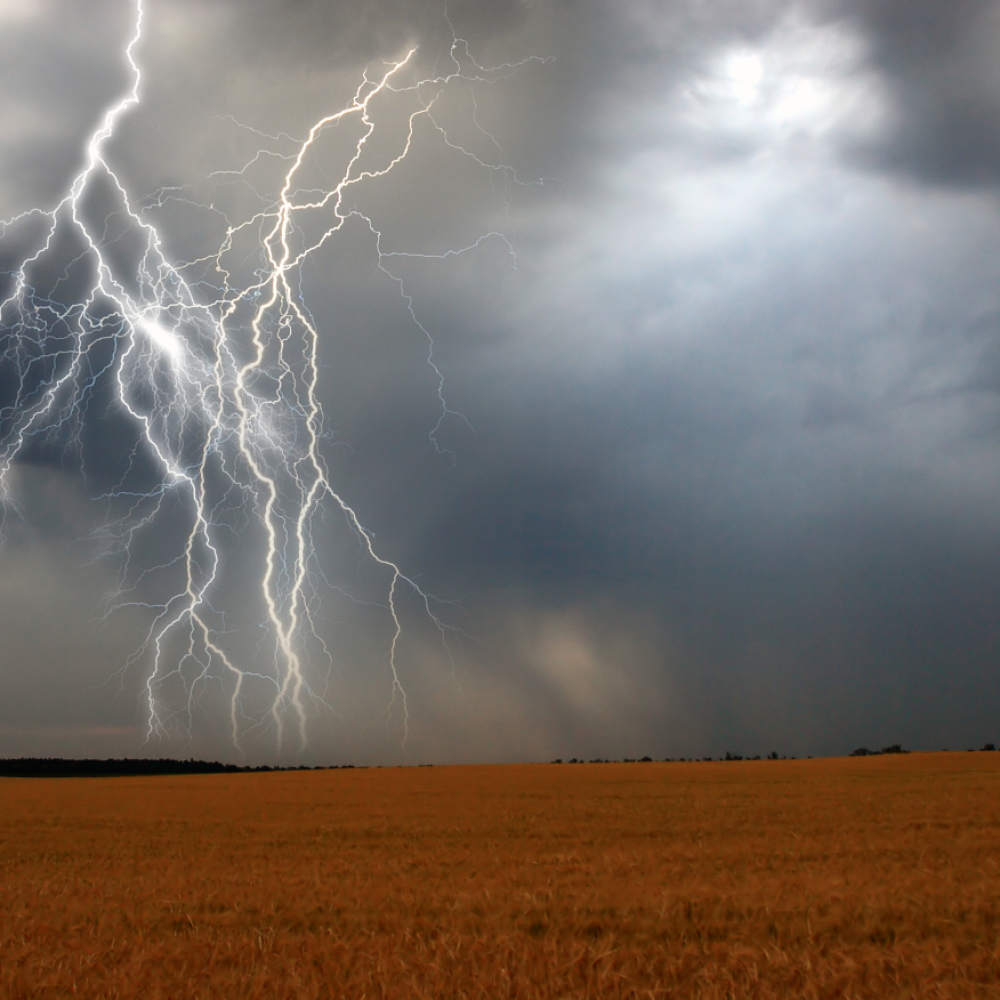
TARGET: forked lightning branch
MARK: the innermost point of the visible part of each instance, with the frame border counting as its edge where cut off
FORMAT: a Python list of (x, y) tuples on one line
[(219, 376)]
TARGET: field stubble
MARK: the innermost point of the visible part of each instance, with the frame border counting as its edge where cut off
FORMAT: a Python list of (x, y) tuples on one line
[(875, 877)]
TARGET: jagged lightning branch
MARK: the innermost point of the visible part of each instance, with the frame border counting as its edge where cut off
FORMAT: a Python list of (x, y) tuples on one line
[(221, 380)]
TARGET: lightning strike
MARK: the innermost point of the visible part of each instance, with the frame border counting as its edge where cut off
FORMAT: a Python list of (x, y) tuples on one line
[(217, 368)]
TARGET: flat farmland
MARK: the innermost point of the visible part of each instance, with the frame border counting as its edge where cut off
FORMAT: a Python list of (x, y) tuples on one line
[(856, 877)]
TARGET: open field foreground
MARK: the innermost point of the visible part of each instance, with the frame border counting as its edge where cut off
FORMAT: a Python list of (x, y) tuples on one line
[(872, 877)]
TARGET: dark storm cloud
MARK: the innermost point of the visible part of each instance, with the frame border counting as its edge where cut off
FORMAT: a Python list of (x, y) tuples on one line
[(937, 63), (316, 30), (940, 63), (59, 695), (731, 475), (53, 69)]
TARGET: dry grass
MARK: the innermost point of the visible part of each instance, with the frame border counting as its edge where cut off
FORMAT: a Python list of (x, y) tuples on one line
[(875, 877)]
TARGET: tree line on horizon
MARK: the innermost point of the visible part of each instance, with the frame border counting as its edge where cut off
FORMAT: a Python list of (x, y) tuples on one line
[(68, 767)]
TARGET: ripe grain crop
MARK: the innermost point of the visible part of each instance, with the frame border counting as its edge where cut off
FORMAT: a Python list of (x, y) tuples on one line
[(874, 877)]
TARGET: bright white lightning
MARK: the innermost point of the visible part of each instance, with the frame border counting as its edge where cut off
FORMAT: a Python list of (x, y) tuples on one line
[(221, 381), (166, 340)]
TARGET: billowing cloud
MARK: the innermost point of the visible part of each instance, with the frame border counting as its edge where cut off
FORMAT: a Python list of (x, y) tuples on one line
[(939, 63), (726, 469)]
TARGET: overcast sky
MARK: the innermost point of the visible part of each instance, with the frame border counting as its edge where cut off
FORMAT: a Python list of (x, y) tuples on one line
[(721, 461)]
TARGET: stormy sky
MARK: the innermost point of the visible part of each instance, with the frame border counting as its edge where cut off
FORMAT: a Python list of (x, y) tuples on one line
[(721, 464)]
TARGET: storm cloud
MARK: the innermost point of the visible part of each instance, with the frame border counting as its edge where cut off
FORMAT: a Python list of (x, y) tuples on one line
[(723, 460)]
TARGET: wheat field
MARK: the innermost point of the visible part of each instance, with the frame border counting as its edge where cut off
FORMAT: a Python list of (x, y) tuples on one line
[(874, 877)]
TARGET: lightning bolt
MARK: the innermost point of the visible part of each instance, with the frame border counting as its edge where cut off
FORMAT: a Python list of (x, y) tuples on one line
[(219, 374)]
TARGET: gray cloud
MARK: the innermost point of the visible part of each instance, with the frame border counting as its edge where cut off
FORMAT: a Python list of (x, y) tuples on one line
[(729, 469), (54, 69), (940, 64)]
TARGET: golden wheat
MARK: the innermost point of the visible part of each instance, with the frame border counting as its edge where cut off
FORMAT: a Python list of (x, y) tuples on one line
[(875, 877)]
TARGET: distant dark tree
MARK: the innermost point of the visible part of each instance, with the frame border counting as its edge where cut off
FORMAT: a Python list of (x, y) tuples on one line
[(58, 767), (861, 752), (558, 760), (646, 760), (989, 746), (773, 755), (895, 748)]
